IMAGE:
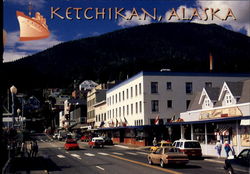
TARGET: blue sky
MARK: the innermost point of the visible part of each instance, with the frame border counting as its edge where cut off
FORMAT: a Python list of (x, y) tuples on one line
[(65, 30)]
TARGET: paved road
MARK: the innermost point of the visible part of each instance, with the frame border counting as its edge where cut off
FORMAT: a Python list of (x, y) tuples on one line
[(112, 159)]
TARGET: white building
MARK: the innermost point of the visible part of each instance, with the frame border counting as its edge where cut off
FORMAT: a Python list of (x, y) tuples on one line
[(142, 98), (100, 114), (222, 114)]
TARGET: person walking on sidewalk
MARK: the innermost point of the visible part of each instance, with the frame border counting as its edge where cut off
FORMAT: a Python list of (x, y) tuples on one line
[(227, 148), (154, 141), (29, 150), (218, 148), (23, 149), (34, 149)]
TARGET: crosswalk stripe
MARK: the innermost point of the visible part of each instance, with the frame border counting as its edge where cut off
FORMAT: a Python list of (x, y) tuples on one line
[(89, 154), (117, 153), (60, 156), (143, 153), (101, 153), (130, 153), (75, 155)]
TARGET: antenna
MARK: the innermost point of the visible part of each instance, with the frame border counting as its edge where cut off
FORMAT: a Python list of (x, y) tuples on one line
[(30, 8)]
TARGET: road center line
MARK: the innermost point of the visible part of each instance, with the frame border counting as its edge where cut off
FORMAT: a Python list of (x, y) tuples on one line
[(99, 167), (117, 153), (147, 165)]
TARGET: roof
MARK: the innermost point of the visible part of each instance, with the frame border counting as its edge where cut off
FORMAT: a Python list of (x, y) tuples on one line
[(170, 73), (235, 87), (194, 105), (245, 95), (213, 92)]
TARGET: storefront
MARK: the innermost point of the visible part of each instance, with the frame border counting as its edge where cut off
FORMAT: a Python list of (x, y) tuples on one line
[(136, 135), (207, 132)]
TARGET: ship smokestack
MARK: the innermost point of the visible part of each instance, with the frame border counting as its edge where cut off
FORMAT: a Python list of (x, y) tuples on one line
[(210, 62)]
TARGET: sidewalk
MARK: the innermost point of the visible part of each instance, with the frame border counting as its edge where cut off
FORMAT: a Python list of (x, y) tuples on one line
[(34, 165)]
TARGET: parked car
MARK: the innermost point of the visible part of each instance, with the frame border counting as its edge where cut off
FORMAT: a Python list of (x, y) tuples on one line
[(85, 138), (96, 142), (190, 147), (166, 155), (71, 144), (55, 136), (238, 164), (62, 135), (161, 144)]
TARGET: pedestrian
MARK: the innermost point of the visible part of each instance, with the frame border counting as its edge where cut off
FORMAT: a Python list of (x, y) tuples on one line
[(29, 149), (34, 149), (154, 141), (218, 148), (23, 149), (227, 148)]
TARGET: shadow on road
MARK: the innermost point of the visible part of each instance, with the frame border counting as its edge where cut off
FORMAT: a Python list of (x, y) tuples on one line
[(32, 164)]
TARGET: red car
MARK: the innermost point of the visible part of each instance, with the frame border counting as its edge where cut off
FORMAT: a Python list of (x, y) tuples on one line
[(96, 142), (71, 144), (85, 138)]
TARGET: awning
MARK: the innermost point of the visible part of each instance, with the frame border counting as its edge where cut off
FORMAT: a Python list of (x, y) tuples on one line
[(209, 121)]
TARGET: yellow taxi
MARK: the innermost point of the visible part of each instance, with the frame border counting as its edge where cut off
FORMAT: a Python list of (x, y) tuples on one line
[(161, 144)]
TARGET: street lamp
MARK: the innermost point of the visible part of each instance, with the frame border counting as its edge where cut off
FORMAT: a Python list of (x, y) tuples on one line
[(13, 91)]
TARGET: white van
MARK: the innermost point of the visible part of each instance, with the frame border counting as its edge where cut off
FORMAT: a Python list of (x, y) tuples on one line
[(190, 147)]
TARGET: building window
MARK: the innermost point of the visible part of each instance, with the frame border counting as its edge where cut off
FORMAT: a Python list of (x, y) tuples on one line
[(123, 110), (131, 109), (136, 92), (112, 99), (127, 109), (115, 98), (208, 84), (140, 107), (140, 88), (189, 87), (169, 103), (131, 91), (120, 110), (115, 112), (154, 87), (169, 85), (136, 107), (155, 106), (123, 96), (127, 93), (104, 116), (119, 97), (187, 103)]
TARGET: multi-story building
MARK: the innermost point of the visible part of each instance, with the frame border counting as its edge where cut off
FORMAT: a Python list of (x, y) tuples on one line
[(151, 98), (94, 96), (147, 96), (100, 113)]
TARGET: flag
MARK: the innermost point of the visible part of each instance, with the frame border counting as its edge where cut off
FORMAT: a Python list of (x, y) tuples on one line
[(157, 120)]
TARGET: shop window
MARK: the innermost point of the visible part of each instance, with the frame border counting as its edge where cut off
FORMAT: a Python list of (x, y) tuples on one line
[(199, 133)]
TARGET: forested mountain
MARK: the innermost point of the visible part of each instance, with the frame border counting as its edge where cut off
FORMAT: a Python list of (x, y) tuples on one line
[(181, 47)]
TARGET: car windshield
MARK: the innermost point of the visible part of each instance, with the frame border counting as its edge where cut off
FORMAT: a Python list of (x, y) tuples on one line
[(192, 145)]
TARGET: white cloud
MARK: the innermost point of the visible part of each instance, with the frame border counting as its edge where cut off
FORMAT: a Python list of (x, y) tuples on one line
[(134, 21), (16, 49), (36, 4), (9, 56), (239, 8)]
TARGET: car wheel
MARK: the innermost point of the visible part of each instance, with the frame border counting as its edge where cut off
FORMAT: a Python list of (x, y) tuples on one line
[(150, 161), (162, 164), (229, 171)]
